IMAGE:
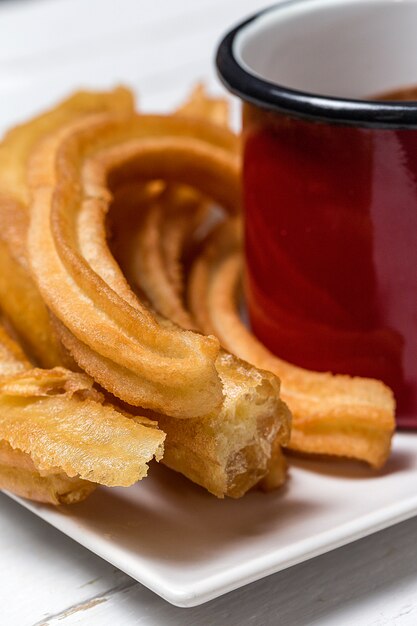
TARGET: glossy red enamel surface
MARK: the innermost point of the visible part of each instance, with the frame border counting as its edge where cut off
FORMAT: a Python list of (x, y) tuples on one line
[(331, 247)]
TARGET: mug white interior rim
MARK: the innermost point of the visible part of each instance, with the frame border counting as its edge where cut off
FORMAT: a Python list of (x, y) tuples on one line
[(321, 58)]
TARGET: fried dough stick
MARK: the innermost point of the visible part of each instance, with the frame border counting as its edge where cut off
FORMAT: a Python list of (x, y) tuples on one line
[(149, 249), (229, 450), (201, 105), (20, 299), (332, 414), (142, 260), (174, 212), (228, 467), (164, 369), (149, 270), (18, 474), (57, 438)]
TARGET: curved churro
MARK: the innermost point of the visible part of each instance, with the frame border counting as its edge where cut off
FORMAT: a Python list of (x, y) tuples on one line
[(161, 368)]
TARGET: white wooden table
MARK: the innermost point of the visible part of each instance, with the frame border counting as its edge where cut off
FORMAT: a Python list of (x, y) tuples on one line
[(160, 47)]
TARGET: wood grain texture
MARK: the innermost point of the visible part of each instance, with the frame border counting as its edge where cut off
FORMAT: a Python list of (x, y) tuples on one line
[(42, 572)]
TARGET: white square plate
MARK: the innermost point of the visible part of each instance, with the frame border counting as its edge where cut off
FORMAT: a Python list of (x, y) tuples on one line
[(189, 547)]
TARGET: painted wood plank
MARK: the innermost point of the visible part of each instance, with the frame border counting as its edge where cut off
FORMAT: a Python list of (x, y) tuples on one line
[(42, 572), (372, 582), (153, 55)]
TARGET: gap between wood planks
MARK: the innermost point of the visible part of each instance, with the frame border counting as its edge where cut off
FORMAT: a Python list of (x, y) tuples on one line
[(86, 604)]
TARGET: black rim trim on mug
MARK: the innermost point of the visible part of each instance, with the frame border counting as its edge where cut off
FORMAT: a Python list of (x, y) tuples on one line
[(274, 97)]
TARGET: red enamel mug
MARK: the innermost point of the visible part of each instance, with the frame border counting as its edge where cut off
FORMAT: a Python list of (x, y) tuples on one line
[(330, 185)]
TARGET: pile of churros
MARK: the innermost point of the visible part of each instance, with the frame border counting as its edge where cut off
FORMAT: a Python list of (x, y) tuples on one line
[(121, 339)]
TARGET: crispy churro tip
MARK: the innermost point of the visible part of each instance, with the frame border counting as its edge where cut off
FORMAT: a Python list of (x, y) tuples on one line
[(58, 438)]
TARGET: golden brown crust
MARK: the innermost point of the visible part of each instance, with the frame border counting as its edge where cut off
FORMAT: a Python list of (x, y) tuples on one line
[(12, 358), (148, 266), (58, 419), (201, 105), (19, 475), (277, 470), (20, 298)]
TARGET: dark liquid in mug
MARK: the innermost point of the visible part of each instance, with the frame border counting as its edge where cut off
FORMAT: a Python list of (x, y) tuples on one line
[(405, 94), (331, 247)]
